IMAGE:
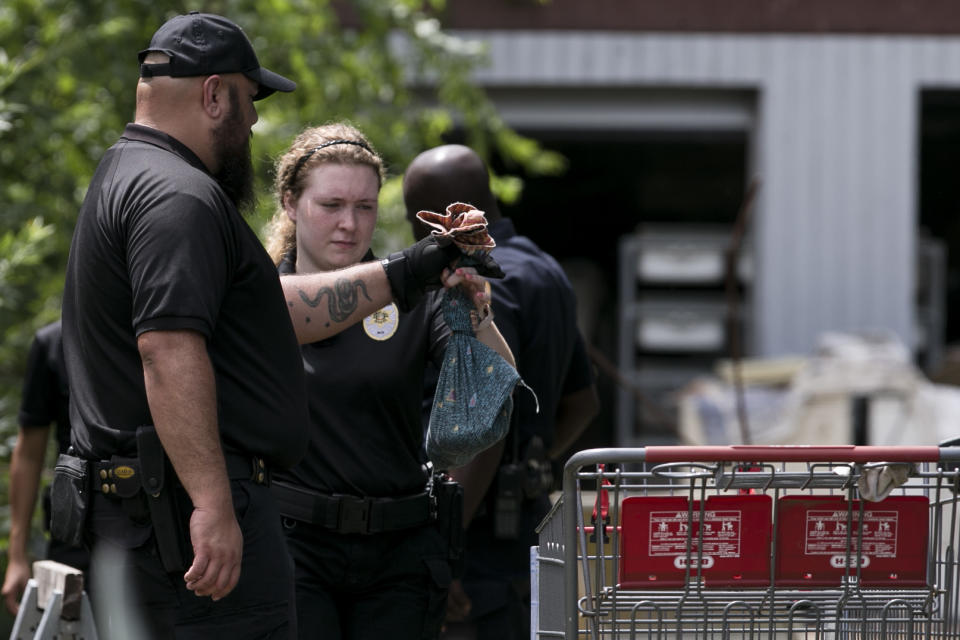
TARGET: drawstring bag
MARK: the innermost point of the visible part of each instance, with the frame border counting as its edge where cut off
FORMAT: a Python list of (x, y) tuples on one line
[(473, 400), (472, 403)]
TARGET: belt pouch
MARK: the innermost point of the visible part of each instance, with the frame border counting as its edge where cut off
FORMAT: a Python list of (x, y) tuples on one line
[(69, 499), (449, 496), (167, 511)]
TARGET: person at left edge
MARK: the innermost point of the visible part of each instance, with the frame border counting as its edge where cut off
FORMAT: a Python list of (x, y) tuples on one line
[(44, 401), (369, 560), (173, 316)]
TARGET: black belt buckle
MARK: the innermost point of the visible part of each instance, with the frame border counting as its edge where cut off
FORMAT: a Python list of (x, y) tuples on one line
[(353, 514)]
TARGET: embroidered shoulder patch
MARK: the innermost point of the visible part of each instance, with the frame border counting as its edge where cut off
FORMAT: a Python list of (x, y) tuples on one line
[(383, 323)]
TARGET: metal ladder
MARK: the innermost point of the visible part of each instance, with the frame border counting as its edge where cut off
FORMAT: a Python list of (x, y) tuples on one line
[(54, 605)]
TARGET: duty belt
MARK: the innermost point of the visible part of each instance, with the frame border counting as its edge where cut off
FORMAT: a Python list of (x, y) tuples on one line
[(247, 467), (352, 514), (120, 477)]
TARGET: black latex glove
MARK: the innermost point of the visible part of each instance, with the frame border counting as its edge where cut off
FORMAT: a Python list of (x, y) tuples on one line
[(485, 265), (416, 270)]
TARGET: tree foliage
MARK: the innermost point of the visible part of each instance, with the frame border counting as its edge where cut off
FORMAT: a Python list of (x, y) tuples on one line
[(68, 71)]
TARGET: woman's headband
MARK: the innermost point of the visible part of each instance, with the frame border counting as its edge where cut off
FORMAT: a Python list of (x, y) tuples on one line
[(303, 159)]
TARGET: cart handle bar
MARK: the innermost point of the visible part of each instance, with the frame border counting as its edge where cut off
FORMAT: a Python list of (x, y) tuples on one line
[(801, 453)]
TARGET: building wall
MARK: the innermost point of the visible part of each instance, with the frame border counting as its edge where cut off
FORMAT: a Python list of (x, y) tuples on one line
[(740, 16), (835, 135)]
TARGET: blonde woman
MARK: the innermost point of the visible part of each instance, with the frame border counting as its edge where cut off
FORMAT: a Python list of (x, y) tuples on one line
[(369, 561)]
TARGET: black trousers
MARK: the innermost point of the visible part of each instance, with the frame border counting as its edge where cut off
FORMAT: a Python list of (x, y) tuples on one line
[(135, 598), (369, 587), (496, 577)]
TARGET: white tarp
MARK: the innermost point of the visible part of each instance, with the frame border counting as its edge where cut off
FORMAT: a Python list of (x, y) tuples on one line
[(816, 406)]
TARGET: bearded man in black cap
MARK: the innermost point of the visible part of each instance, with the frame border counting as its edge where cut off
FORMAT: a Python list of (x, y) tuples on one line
[(186, 380)]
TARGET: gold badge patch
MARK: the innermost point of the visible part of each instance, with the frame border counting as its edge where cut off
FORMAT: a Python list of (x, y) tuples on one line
[(123, 472), (382, 324)]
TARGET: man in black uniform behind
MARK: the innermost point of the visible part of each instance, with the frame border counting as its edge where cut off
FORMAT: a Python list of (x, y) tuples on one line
[(176, 324), (506, 497), (44, 401)]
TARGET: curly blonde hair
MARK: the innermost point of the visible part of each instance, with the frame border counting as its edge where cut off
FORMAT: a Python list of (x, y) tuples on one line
[(335, 143)]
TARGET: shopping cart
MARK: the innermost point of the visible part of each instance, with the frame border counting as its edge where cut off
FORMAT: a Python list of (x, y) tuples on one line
[(752, 542)]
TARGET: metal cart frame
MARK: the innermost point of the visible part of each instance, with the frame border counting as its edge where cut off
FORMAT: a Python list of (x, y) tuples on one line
[(850, 610)]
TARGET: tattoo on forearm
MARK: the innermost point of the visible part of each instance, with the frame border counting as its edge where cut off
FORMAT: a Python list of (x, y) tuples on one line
[(342, 298)]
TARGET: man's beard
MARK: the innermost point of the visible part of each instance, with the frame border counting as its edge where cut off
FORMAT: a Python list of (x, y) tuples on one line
[(232, 150)]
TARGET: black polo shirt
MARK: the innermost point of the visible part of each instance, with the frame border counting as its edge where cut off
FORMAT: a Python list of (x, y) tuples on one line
[(535, 309), (45, 396), (158, 245), (365, 385)]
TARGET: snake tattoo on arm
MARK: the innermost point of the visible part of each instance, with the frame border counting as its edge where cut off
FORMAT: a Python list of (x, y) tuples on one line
[(342, 298)]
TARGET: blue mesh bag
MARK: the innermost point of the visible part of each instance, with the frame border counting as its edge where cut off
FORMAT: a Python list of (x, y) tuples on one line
[(474, 397), (473, 400)]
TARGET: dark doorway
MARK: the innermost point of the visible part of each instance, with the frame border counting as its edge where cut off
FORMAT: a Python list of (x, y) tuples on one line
[(939, 203), (614, 182)]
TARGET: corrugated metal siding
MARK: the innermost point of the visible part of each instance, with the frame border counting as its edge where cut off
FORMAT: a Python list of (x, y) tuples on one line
[(836, 150)]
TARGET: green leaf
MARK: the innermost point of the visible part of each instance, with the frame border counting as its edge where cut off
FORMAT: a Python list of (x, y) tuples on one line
[(68, 72)]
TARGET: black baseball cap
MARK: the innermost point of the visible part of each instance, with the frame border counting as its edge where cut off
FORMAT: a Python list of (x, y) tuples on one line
[(203, 44)]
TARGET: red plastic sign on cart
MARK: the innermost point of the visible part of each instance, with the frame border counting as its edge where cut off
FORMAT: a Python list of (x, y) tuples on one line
[(656, 533), (819, 536)]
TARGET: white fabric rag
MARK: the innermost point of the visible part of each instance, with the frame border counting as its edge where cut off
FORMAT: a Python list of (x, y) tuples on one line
[(875, 483)]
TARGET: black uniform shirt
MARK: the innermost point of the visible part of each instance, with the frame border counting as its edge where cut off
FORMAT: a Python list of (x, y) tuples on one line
[(535, 309), (46, 395), (364, 386), (159, 246)]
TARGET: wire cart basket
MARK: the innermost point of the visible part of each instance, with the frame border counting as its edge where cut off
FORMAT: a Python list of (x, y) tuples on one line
[(783, 542)]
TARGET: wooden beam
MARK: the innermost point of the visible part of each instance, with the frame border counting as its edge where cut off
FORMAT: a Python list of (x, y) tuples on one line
[(53, 576)]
